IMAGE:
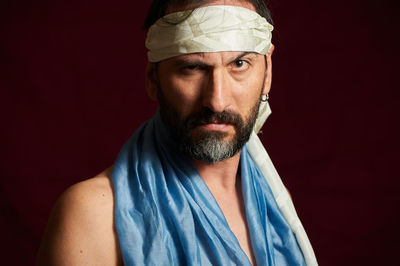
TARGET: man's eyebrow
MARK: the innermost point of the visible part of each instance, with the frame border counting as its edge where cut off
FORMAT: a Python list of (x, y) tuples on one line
[(189, 62), (243, 54), (179, 62)]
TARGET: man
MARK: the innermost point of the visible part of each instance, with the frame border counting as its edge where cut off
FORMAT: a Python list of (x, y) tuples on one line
[(185, 189)]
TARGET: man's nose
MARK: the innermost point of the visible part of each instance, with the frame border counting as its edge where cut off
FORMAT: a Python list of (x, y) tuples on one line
[(216, 94)]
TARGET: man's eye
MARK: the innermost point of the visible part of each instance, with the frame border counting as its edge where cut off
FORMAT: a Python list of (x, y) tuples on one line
[(190, 67), (240, 64)]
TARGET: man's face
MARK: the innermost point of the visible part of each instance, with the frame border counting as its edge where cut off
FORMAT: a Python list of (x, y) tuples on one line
[(209, 101)]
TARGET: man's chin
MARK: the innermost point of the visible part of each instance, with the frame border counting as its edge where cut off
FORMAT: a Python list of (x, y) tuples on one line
[(209, 149)]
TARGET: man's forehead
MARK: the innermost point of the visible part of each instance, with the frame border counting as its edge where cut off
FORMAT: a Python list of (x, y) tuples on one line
[(241, 3)]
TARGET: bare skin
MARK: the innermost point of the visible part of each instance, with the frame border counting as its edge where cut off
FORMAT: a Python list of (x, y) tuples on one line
[(227, 191), (81, 230)]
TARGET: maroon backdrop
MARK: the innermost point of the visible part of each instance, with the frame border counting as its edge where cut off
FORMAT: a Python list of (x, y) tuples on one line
[(72, 90)]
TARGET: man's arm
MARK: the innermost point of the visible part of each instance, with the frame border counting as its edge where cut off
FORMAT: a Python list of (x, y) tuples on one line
[(81, 228)]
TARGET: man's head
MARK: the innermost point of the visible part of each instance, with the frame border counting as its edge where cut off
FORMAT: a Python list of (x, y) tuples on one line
[(209, 100)]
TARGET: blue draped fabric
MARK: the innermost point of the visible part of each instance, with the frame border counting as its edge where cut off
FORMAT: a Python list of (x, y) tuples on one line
[(165, 214)]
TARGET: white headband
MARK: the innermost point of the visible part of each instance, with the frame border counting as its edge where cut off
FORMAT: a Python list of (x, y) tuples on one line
[(208, 29)]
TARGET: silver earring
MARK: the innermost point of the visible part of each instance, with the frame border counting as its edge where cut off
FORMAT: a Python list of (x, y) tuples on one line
[(264, 97)]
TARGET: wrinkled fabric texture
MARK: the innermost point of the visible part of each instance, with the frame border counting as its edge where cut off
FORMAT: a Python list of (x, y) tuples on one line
[(165, 214), (208, 29)]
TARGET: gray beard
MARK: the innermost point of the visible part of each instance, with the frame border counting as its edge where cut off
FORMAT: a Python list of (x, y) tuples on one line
[(210, 149), (207, 146)]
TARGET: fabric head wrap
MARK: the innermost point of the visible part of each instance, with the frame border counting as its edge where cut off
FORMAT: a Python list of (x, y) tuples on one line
[(208, 29)]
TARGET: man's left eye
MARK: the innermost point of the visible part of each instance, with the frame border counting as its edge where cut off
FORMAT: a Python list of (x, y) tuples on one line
[(240, 64)]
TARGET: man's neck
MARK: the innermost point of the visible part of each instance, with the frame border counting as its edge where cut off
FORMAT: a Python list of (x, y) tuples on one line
[(222, 180), (221, 176)]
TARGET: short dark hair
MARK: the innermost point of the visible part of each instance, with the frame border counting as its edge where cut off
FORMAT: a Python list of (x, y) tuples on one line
[(158, 9)]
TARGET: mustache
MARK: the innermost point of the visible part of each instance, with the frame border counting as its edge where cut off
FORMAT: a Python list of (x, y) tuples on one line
[(207, 116)]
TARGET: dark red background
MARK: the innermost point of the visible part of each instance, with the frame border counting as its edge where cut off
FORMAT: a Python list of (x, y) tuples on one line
[(72, 91)]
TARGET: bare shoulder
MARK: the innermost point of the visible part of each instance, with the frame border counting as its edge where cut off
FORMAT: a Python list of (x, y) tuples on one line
[(81, 228), (93, 195)]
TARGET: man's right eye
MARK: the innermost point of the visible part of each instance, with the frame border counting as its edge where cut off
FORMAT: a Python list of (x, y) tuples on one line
[(190, 67)]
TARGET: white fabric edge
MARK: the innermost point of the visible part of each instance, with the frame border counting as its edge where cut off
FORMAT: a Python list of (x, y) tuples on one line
[(261, 158)]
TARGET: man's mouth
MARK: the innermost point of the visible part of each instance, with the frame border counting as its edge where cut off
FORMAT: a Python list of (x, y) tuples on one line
[(206, 120), (216, 126)]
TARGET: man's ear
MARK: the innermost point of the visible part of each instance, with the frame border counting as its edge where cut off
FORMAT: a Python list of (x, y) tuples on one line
[(151, 81), (268, 71)]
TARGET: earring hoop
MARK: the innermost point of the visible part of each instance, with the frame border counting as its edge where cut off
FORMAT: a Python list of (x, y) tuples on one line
[(264, 97)]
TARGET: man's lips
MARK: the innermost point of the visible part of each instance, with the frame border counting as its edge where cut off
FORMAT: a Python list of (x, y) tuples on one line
[(216, 126)]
